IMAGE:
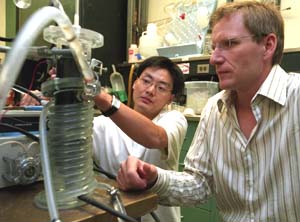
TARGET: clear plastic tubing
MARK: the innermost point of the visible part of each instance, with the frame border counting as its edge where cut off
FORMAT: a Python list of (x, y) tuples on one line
[(26, 37), (18, 52), (69, 141), (46, 165)]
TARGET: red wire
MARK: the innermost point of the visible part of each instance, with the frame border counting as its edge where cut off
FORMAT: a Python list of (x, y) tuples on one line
[(34, 72)]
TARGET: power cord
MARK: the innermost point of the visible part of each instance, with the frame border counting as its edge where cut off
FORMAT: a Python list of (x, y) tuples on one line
[(27, 91), (95, 203), (25, 132), (5, 39), (99, 169)]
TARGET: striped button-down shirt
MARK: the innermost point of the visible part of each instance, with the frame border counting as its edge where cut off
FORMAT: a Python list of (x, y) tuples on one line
[(255, 179)]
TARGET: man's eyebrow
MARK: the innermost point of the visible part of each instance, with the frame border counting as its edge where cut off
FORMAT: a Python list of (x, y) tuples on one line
[(146, 74)]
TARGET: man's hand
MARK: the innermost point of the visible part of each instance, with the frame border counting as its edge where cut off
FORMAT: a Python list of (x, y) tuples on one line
[(135, 174)]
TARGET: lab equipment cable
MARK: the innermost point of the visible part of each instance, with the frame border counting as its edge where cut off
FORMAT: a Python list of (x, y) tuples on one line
[(15, 121), (116, 201), (154, 216), (31, 30), (25, 132), (11, 69), (5, 39), (41, 51), (96, 203), (99, 169), (115, 198), (37, 66), (27, 91)]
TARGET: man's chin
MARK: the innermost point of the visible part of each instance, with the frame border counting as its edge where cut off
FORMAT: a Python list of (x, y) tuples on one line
[(225, 85)]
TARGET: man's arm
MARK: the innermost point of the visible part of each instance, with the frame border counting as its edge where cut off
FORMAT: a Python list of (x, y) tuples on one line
[(174, 188), (138, 127)]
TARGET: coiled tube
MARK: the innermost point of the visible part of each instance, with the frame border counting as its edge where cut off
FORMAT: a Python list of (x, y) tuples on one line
[(69, 142)]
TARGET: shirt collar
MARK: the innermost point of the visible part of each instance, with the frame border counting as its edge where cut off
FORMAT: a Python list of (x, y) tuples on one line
[(275, 85), (225, 100)]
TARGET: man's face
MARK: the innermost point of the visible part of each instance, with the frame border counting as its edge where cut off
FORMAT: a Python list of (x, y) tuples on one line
[(152, 91), (238, 59)]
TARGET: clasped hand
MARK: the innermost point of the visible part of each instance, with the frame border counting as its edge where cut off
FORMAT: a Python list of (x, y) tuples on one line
[(135, 174)]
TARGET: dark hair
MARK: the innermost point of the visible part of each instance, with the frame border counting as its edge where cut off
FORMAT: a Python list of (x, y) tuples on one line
[(165, 63), (260, 19)]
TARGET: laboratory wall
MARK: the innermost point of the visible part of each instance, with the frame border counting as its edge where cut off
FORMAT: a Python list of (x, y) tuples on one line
[(289, 8), (111, 21), (290, 11), (2, 25)]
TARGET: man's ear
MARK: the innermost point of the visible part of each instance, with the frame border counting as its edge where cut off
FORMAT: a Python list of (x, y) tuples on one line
[(171, 98), (270, 44)]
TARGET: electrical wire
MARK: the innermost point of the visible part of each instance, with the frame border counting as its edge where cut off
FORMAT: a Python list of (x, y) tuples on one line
[(154, 216), (25, 132), (102, 171), (35, 71), (96, 203), (27, 91), (99, 169), (4, 39)]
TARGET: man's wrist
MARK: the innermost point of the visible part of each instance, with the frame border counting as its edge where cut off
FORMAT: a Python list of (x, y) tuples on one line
[(160, 184), (115, 105)]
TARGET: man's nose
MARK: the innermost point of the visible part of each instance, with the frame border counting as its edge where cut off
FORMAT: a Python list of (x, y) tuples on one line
[(152, 88), (216, 57)]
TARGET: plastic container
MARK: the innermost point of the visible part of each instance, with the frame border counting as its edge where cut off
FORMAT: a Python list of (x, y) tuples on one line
[(149, 41), (133, 52), (117, 84), (198, 92)]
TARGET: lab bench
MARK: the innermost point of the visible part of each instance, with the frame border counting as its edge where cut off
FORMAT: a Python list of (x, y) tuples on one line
[(17, 205), (206, 212)]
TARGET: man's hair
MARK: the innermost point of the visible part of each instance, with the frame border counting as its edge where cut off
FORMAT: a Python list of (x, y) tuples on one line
[(260, 19), (162, 62)]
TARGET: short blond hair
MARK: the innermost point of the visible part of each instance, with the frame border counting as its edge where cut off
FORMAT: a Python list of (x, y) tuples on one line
[(260, 19)]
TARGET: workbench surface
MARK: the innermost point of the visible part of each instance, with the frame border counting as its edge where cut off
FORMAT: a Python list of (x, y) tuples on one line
[(17, 205)]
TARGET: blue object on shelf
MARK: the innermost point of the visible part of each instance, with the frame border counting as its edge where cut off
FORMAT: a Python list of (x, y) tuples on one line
[(30, 108)]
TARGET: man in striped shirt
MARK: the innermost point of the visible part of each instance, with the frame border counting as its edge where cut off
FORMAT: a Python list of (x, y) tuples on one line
[(246, 148)]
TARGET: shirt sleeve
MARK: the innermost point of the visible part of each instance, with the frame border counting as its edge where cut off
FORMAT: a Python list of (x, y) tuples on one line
[(175, 125), (181, 188), (191, 187)]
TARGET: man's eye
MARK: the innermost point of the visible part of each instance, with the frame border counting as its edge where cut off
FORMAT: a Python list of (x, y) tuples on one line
[(162, 88), (146, 81), (227, 44), (234, 42)]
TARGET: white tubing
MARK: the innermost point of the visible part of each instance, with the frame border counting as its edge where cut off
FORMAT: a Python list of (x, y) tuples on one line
[(49, 188), (13, 64)]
